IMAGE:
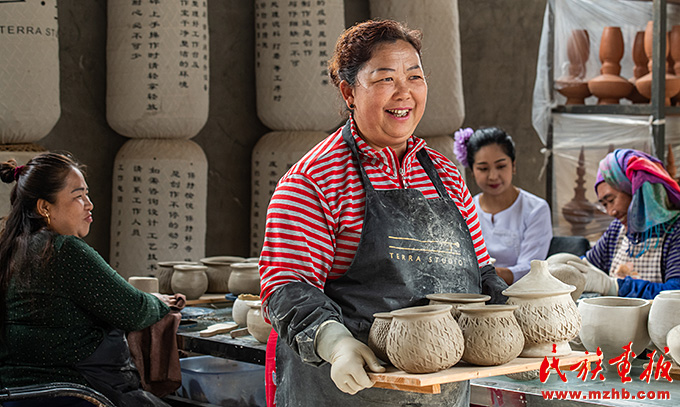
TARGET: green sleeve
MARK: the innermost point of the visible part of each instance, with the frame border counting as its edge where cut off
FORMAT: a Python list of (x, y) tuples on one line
[(94, 286)]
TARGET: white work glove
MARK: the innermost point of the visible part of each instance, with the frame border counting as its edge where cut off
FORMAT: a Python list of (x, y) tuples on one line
[(596, 280), (335, 344)]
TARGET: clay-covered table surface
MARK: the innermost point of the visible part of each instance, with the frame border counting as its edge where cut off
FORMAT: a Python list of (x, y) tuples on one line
[(243, 349)]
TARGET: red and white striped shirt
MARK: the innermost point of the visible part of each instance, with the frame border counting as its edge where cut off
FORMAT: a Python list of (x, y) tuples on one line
[(316, 214)]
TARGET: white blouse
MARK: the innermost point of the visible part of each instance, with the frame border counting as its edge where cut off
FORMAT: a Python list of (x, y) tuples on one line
[(518, 234)]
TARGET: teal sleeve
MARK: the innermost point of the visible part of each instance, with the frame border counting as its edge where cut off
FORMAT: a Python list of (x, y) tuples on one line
[(94, 286)]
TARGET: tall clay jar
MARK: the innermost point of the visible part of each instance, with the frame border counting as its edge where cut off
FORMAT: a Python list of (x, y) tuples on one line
[(377, 335), (257, 326), (164, 274), (492, 334), (546, 312), (189, 280), (424, 339), (244, 279)]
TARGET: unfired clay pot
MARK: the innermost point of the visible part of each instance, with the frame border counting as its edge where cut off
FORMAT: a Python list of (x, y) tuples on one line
[(547, 314), (610, 323), (146, 284), (377, 336), (492, 334), (673, 342), (256, 323), (663, 315), (424, 339), (239, 311), (244, 279), (219, 270), (189, 280), (164, 274), (456, 300)]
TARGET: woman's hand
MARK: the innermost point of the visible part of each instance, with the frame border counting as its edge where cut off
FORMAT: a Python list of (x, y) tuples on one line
[(176, 300)]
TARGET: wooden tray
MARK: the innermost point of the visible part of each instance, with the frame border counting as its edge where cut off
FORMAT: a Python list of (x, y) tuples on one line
[(431, 382)]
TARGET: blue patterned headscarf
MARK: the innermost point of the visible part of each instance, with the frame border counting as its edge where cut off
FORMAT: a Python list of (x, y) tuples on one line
[(655, 195)]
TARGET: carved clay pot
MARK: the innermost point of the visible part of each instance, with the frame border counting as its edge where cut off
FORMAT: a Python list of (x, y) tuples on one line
[(547, 314), (492, 334), (239, 311), (219, 271), (164, 274), (663, 316), (609, 86), (456, 300), (244, 279), (189, 280), (673, 341), (377, 336), (146, 284), (424, 339), (256, 323), (602, 326)]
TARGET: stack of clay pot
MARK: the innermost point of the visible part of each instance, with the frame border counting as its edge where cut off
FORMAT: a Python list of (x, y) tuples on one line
[(547, 314)]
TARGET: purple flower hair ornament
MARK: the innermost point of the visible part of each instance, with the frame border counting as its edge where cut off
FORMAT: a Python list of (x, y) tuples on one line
[(461, 138)]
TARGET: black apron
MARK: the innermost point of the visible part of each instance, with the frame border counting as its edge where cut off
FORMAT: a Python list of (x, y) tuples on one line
[(410, 246), (110, 371)]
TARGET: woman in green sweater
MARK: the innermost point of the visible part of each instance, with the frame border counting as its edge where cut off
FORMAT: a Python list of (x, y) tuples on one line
[(63, 310)]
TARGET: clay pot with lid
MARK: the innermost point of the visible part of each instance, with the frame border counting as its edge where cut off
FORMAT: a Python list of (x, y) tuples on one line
[(547, 314), (377, 335), (424, 339), (610, 323), (219, 271), (164, 274), (244, 279), (492, 334), (189, 280), (456, 300), (257, 326)]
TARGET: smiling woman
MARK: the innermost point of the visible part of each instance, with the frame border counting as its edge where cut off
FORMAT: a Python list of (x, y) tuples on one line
[(353, 229), (63, 310)]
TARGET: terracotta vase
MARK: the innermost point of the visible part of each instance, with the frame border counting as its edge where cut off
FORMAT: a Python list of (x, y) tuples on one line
[(573, 85), (492, 334), (640, 60), (189, 280), (219, 270), (644, 83), (663, 316), (424, 339), (244, 279), (239, 311), (602, 325), (456, 300), (146, 284), (164, 274), (547, 313), (673, 342), (609, 86), (377, 335), (257, 326)]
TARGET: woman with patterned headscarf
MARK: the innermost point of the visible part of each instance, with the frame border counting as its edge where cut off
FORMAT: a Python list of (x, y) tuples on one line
[(635, 252)]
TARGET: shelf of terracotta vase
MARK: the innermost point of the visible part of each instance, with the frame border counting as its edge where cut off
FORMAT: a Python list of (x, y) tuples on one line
[(637, 109)]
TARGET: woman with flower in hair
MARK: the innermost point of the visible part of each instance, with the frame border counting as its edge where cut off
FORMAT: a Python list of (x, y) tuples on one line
[(635, 255), (515, 223)]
